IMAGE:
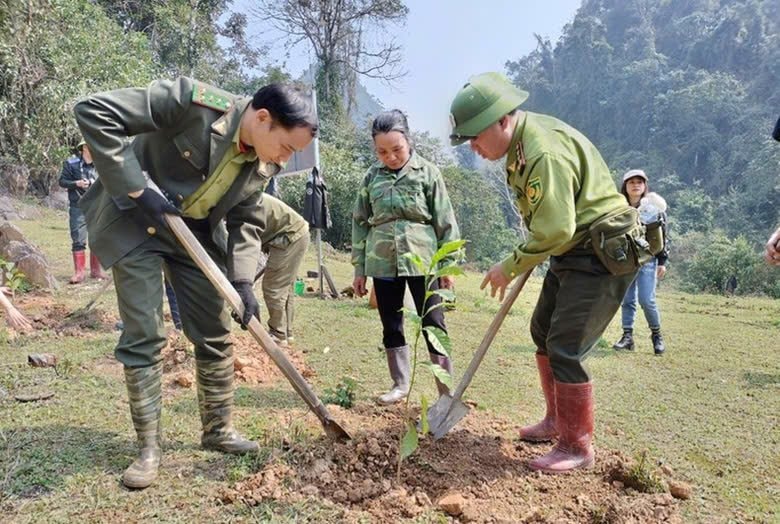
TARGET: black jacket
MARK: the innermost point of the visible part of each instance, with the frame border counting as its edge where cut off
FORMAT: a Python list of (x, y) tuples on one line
[(74, 169)]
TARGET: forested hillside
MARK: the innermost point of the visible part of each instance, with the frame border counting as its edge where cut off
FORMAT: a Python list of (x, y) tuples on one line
[(685, 89)]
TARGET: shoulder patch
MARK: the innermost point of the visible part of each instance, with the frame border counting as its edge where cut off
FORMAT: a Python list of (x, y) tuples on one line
[(206, 96), (533, 191)]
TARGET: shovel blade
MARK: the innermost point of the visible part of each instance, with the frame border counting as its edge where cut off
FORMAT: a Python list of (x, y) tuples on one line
[(334, 431), (445, 414)]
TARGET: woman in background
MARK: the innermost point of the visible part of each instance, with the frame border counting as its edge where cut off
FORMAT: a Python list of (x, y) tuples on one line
[(650, 206)]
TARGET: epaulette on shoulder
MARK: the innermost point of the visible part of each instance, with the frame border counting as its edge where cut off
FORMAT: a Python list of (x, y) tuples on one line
[(211, 97)]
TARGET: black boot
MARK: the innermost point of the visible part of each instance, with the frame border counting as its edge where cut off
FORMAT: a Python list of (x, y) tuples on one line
[(658, 342), (626, 341)]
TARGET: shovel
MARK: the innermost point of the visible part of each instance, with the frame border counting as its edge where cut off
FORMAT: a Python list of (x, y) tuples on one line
[(83, 311), (449, 409), (332, 429)]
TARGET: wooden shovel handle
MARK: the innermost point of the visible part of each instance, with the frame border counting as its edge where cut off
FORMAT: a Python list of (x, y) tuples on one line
[(495, 325), (228, 292)]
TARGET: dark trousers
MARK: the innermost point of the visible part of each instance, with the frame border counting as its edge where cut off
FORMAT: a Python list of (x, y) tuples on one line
[(78, 229), (578, 300), (138, 277), (390, 301)]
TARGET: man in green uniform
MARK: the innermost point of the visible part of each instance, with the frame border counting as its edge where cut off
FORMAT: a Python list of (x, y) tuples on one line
[(209, 153), (284, 240), (562, 187)]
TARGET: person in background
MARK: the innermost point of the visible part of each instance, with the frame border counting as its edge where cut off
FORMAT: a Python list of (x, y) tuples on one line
[(650, 205), (772, 250), (402, 207), (284, 239), (78, 173), (14, 318)]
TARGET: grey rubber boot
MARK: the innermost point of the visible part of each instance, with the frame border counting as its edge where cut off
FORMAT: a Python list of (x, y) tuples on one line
[(398, 364), (446, 363), (145, 397), (215, 401)]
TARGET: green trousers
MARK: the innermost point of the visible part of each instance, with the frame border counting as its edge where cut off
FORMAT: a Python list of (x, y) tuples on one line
[(578, 300), (284, 260), (138, 278)]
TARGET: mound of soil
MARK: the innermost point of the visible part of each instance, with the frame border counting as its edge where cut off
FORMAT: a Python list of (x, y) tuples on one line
[(477, 473), (54, 317), (252, 364)]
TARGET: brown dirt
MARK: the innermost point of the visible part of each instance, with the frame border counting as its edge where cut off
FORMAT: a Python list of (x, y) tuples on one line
[(479, 460), (53, 316), (252, 365)]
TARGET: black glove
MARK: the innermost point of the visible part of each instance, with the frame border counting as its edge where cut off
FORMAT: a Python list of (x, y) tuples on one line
[(251, 307), (154, 205)]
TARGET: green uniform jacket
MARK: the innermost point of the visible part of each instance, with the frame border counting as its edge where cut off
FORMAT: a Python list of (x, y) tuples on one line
[(563, 187), (398, 213), (177, 132), (282, 225)]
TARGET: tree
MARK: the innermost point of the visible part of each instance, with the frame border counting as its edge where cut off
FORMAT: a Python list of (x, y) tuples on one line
[(183, 36), (51, 53), (346, 37)]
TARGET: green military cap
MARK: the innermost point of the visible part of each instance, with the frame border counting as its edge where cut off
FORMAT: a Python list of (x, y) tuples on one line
[(480, 103)]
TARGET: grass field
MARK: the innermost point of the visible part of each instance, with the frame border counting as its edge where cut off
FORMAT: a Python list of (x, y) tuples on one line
[(709, 408)]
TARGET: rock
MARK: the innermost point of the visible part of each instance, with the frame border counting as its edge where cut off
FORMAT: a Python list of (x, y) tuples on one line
[(668, 471), (57, 199), (618, 484), (184, 380), (42, 360), (15, 177), (452, 504), (680, 490), (28, 258), (240, 363)]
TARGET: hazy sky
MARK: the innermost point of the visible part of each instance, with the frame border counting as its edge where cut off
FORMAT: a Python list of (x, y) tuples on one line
[(446, 41)]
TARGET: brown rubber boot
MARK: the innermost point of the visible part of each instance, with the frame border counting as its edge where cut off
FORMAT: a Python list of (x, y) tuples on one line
[(215, 400), (145, 397), (446, 364), (574, 410), (545, 430), (398, 364), (95, 270), (79, 265)]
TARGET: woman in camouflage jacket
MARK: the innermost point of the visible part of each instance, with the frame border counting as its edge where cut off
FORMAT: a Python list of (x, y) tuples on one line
[(402, 208)]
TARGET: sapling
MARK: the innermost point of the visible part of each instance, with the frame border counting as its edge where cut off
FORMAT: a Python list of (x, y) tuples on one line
[(443, 263)]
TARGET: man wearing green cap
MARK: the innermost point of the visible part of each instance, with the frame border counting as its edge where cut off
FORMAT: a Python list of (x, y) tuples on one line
[(562, 187)]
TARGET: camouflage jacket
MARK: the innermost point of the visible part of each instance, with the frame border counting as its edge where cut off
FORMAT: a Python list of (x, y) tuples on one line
[(399, 213)]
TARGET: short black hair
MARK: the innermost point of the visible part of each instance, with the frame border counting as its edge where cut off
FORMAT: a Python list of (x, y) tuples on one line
[(387, 121), (288, 105)]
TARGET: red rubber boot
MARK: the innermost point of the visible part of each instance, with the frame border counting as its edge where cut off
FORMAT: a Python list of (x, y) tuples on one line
[(80, 264), (95, 270), (545, 430), (574, 409)]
